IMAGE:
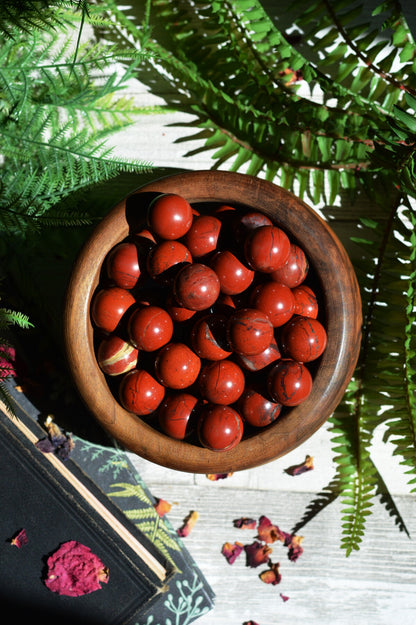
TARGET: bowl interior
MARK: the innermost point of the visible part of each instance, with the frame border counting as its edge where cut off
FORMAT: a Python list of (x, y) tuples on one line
[(340, 306)]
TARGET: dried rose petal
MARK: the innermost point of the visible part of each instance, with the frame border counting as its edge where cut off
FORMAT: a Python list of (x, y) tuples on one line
[(284, 597), (250, 623), (271, 576), (257, 554), (73, 570), (7, 358), (162, 507), (267, 532), (188, 524), (298, 469), (294, 543), (231, 551), (218, 476), (245, 523), (20, 539)]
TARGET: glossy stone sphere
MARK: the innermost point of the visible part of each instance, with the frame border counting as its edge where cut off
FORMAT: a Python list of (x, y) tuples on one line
[(175, 414), (202, 237), (256, 409), (221, 382), (306, 302), (140, 393), (220, 428), (108, 307), (209, 337), (266, 248), (179, 314), (252, 220), (303, 339), (177, 366), (170, 216), (256, 362), (234, 276), (289, 382), (275, 300), (115, 356), (249, 331), (123, 265), (295, 269), (196, 286), (150, 327), (165, 257)]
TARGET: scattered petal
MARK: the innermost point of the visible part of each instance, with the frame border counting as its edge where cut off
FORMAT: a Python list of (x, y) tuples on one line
[(231, 551), (294, 543), (73, 570), (250, 623), (257, 554), (188, 524), (271, 576), (162, 507), (284, 597), (298, 469), (56, 442), (267, 532), (245, 523), (20, 539), (218, 476)]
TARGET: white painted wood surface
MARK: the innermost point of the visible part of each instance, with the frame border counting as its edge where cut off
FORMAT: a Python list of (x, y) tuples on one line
[(376, 585)]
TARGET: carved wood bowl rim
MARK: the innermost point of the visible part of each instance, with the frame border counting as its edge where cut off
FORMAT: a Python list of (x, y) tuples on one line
[(342, 303)]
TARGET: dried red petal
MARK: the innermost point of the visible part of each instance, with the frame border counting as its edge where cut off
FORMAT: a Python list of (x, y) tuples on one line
[(245, 523), (271, 576), (162, 507), (284, 597), (74, 570), (218, 476), (188, 524), (20, 539), (267, 532), (257, 554), (294, 543), (298, 469), (250, 623), (231, 551)]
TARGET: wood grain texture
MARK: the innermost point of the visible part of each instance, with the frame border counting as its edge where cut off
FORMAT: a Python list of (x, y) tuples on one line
[(342, 310)]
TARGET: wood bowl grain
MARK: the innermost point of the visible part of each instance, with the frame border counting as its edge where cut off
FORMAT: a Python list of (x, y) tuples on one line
[(342, 310)]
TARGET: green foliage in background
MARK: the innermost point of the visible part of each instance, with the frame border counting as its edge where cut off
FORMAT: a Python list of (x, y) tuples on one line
[(322, 102)]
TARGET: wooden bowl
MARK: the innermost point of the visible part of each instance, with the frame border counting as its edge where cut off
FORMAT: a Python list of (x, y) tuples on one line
[(339, 295)]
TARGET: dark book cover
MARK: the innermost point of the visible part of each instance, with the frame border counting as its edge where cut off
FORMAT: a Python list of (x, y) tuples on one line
[(55, 502)]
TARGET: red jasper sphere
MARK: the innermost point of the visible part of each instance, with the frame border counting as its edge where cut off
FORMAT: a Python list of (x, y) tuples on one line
[(220, 428), (108, 307), (275, 300), (256, 362), (170, 216), (202, 237), (289, 382), (306, 302), (266, 248), (258, 410), (234, 276), (166, 257), (303, 339), (150, 327), (175, 414), (123, 265), (221, 382), (115, 356), (140, 392), (209, 337), (177, 366), (196, 287), (295, 269), (249, 331), (254, 219)]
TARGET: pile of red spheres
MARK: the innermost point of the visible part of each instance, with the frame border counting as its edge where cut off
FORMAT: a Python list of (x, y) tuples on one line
[(205, 322)]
